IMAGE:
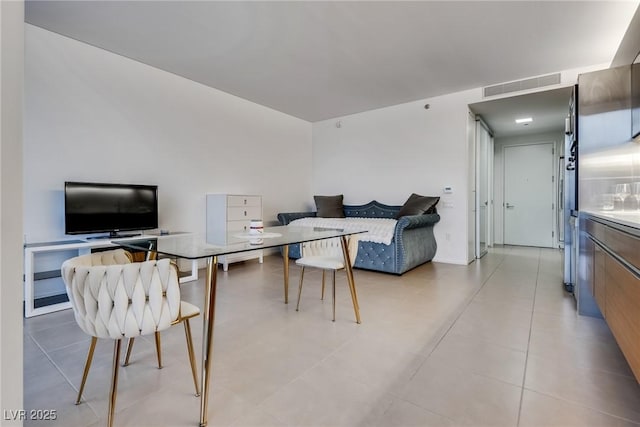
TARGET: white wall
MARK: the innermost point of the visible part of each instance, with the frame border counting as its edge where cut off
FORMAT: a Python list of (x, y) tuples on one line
[(389, 153), (557, 138), (91, 115), (11, 99)]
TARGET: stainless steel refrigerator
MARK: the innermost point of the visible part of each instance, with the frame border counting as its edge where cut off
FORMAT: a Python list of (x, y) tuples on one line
[(569, 192)]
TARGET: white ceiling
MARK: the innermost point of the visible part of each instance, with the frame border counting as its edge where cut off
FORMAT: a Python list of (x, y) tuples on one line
[(320, 60), (548, 110)]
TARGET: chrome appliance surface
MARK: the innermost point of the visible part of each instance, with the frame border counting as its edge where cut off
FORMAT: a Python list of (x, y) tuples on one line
[(569, 192), (608, 162)]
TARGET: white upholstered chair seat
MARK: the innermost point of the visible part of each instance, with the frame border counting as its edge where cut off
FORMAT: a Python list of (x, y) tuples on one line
[(326, 255), (188, 310), (323, 262)]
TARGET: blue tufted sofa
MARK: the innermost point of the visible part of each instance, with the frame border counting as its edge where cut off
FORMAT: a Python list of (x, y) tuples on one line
[(413, 242)]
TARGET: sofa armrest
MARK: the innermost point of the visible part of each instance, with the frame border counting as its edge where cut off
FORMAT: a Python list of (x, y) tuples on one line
[(286, 217), (416, 221)]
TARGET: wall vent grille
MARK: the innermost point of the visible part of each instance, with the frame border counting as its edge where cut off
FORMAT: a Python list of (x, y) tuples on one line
[(520, 85)]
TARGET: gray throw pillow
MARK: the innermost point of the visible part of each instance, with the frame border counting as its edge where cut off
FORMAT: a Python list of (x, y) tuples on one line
[(418, 205), (329, 206)]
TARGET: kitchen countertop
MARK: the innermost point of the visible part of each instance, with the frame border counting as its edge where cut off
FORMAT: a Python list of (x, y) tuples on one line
[(626, 218)]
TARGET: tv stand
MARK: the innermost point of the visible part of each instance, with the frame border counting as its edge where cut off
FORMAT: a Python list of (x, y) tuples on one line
[(35, 306)]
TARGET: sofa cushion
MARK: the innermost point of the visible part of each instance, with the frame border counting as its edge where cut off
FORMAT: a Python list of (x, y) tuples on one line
[(418, 205), (329, 206)]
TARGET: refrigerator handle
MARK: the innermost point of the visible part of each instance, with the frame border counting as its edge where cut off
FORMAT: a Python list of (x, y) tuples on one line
[(560, 194), (560, 184)]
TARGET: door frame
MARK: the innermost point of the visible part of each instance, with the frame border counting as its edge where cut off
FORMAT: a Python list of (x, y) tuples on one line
[(488, 158), (553, 183)]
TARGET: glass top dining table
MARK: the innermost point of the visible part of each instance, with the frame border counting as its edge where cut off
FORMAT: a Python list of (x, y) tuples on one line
[(209, 246), (205, 245)]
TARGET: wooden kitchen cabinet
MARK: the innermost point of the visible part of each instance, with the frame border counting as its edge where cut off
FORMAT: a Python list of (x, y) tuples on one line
[(610, 258), (623, 310), (599, 278)]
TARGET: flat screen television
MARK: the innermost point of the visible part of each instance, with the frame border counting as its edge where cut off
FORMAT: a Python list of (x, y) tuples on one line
[(91, 207)]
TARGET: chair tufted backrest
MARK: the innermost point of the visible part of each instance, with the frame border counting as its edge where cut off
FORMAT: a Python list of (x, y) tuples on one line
[(122, 300), (115, 256), (323, 248)]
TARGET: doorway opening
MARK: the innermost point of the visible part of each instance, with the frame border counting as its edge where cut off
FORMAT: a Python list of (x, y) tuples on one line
[(522, 167)]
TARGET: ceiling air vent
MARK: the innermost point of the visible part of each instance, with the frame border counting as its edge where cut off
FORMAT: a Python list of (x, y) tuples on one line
[(526, 84)]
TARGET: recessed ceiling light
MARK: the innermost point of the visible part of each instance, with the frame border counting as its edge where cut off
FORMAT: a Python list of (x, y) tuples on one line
[(524, 120)]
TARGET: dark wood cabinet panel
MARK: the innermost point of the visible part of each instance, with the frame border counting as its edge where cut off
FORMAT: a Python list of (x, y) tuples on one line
[(622, 308), (599, 279), (595, 229), (609, 263), (624, 245)]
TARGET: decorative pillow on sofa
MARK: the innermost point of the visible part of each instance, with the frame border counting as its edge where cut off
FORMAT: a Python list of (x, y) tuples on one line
[(329, 206), (418, 205)]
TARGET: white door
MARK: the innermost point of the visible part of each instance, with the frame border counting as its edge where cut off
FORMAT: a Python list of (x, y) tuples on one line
[(528, 195)]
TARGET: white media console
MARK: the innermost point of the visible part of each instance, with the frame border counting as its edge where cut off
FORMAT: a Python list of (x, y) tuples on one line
[(78, 247)]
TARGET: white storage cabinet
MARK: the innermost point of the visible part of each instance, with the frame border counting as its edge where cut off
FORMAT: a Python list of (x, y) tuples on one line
[(233, 213)]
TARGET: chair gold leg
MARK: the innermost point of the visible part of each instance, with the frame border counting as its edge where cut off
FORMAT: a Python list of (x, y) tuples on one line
[(87, 366), (322, 296), (158, 350), (300, 288), (352, 284), (114, 382), (128, 353), (192, 356), (285, 261), (334, 295)]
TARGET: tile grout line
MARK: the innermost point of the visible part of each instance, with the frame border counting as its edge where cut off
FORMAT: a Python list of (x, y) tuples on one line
[(426, 357), (551, 395), (61, 373), (526, 359), (469, 301)]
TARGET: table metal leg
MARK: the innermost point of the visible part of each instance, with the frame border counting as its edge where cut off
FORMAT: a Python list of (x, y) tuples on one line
[(207, 335), (285, 260), (352, 283)]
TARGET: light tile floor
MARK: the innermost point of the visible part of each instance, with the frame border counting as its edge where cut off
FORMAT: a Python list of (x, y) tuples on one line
[(495, 343)]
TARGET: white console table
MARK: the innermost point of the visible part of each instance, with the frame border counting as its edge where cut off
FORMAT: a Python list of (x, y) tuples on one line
[(31, 250)]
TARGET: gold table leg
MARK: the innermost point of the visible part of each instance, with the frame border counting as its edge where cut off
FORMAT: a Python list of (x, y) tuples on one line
[(207, 335), (285, 260), (352, 283)]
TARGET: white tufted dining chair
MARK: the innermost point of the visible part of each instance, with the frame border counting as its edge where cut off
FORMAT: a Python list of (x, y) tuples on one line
[(323, 254), (118, 301), (187, 311)]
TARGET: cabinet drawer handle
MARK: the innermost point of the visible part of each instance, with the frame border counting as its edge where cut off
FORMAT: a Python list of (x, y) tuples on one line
[(245, 213), (245, 201)]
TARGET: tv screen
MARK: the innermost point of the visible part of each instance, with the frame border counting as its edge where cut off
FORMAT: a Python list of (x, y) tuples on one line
[(99, 207)]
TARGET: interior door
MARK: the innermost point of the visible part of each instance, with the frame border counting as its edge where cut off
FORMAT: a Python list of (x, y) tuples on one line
[(528, 195)]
